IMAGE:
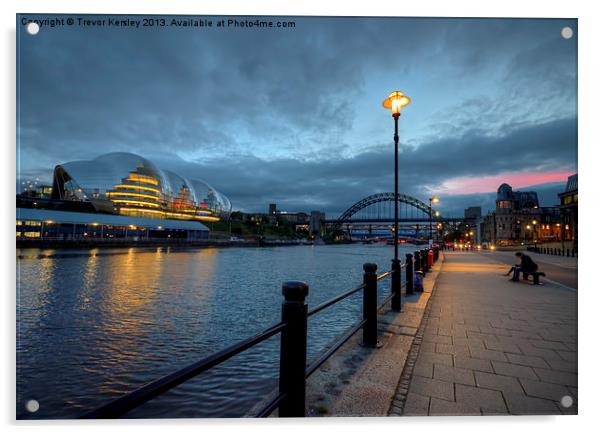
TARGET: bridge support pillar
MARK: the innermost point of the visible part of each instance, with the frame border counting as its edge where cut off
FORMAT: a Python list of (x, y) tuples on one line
[(396, 285)]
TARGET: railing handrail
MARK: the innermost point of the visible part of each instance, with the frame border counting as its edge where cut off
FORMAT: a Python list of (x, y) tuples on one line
[(334, 347), (134, 399), (335, 300)]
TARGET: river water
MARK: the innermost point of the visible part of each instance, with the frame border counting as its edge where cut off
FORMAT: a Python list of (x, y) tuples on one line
[(95, 324)]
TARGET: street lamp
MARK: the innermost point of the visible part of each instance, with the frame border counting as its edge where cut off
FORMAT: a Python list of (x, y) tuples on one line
[(395, 102), (431, 201)]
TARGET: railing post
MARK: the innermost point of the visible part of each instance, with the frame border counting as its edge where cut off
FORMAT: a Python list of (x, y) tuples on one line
[(409, 274), (425, 261), (417, 261), (293, 349), (370, 305), (396, 285)]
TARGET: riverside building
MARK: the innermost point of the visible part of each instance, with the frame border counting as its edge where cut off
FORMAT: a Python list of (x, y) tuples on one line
[(519, 219), (119, 195)]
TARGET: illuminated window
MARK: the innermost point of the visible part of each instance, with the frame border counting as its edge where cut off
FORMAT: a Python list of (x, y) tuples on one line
[(143, 179)]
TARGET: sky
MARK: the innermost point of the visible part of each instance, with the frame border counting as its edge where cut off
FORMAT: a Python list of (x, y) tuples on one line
[(294, 116)]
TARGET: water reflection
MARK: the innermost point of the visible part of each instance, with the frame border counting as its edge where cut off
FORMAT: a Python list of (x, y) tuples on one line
[(95, 324)]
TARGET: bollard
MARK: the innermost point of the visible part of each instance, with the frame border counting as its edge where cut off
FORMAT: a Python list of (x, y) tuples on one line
[(417, 260), (409, 274), (370, 305), (425, 261), (293, 349), (396, 285)]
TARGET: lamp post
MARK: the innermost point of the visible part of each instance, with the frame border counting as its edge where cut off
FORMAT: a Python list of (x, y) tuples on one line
[(431, 201), (395, 102)]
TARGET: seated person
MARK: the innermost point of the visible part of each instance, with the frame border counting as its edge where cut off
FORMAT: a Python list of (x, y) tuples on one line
[(527, 265)]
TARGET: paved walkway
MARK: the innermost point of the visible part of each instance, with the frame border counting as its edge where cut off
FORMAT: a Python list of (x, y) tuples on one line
[(559, 269), (490, 346)]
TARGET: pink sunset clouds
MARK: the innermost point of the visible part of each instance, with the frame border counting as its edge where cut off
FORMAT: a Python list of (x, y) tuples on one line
[(485, 184)]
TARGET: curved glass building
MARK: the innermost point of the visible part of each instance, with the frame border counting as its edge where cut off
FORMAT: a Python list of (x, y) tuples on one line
[(127, 184)]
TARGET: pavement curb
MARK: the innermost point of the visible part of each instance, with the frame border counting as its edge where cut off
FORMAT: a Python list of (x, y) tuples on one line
[(401, 393)]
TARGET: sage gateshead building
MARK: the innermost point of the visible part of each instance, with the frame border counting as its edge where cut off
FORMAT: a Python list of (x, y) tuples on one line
[(119, 195)]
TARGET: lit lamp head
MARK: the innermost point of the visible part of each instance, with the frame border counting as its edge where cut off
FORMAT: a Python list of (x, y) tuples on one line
[(396, 101), (434, 199)]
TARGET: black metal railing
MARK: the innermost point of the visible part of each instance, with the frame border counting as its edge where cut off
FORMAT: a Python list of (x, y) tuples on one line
[(294, 369), (553, 251)]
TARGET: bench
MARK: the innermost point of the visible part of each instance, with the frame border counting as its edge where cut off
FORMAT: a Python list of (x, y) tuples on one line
[(535, 274)]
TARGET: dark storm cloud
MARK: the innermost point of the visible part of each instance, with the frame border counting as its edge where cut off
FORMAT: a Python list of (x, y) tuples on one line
[(170, 89), (335, 184), (275, 116)]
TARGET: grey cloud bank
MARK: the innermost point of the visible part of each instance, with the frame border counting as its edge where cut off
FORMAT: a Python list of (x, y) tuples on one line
[(293, 116)]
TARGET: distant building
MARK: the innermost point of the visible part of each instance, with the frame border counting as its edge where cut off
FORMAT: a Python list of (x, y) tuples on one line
[(568, 212), (315, 222), (272, 210), (297, 217), (518, 219), (472, 213), (38, 191)]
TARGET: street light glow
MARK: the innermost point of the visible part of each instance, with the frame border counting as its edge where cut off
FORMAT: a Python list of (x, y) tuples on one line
[(396, 101)]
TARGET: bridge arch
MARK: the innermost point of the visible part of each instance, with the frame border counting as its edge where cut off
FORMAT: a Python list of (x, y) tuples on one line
[(384, 197)]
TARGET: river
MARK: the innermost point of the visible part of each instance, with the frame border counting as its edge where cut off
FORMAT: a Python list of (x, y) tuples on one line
[(95, 324)]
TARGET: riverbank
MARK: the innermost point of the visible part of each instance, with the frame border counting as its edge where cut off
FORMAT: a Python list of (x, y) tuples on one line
[(362, 381), (96, 243)]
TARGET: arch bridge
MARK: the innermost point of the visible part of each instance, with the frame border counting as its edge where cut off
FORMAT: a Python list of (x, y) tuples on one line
[(380, 207)]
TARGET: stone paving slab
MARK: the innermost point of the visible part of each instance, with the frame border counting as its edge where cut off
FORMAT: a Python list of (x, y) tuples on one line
[(490, 346)]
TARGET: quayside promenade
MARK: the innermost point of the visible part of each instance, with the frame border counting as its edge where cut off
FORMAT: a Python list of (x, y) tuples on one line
[(490, 346), (473, 343)]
